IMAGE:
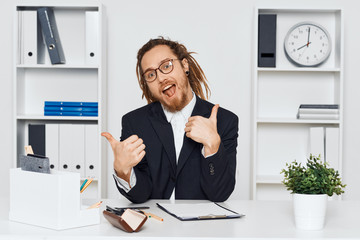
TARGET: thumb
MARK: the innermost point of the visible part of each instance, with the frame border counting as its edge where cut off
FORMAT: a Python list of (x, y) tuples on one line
[(109, 137), (214, 112)]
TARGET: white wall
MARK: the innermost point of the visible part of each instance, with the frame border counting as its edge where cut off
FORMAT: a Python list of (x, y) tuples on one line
[(221, 33), (6, 105)]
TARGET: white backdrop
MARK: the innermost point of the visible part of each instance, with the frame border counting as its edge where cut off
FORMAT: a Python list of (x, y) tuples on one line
[(221, 32)]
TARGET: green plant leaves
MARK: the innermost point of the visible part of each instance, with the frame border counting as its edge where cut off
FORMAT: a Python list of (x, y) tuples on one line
[(315, 178)]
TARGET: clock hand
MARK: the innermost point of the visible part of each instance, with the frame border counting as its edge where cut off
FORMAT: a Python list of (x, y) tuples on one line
[(306, 45), (302, 54), (308, 41)]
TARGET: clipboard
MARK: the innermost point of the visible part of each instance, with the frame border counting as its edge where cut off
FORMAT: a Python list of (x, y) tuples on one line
[(199, 211)]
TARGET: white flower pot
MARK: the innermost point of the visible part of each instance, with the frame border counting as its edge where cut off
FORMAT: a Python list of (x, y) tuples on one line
[(310, 211)]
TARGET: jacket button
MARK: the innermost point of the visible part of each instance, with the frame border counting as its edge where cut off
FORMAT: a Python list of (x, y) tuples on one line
[(173, 179), (211, 168)]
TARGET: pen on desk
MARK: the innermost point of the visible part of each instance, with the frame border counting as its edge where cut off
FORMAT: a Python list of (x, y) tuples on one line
[(96, 205), (151, 215), (82, 185), (143, 207), (86, 185)]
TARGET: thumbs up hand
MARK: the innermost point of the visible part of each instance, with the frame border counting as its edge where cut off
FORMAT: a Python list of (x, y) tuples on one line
[(204, 130), (127, 154)]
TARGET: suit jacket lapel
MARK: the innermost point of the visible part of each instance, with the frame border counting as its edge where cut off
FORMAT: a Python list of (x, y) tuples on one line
[(189, 144), (164, 131)]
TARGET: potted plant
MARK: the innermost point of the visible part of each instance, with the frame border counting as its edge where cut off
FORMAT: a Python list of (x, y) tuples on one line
[(311, 186)]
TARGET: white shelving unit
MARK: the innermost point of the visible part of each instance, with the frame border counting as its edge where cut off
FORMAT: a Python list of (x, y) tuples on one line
[(76, 80), (277, 136)]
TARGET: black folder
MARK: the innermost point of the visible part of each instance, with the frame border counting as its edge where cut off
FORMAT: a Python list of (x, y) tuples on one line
[(51, 35), (37, 138), (267, 40)]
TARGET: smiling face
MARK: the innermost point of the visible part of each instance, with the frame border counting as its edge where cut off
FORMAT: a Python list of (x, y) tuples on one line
[(172, 90)]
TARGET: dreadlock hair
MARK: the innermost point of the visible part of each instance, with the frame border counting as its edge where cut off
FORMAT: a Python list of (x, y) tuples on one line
[(196, 75)]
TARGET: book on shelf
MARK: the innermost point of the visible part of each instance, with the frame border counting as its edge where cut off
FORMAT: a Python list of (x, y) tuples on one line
[(63, 113), (318, 111), (318, 116), (70, 104), (319, 106), (70, 109)]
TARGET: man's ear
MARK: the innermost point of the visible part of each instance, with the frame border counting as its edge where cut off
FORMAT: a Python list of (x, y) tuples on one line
[(185, 64)]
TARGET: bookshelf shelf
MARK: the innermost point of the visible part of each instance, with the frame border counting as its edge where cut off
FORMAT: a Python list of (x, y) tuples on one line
[(41, 117), (296, 121), (62, 66), (298, 69), (278, 137), (81, 79)]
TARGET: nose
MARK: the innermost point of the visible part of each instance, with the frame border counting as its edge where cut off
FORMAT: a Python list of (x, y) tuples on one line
[(160, 76)]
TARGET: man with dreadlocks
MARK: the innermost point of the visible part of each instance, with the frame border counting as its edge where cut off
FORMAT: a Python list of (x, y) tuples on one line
[(178, 146)]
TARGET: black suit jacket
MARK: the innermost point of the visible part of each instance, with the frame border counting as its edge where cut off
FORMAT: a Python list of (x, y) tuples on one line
[(194, 177)]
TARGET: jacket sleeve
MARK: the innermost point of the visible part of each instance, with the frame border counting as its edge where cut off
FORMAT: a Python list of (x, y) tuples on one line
[(141, 192), (218, 171)]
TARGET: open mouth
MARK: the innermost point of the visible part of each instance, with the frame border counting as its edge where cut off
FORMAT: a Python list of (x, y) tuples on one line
[(169, 90)]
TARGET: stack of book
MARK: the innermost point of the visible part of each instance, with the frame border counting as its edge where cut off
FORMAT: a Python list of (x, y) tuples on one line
[(55, 108), (318, 111)]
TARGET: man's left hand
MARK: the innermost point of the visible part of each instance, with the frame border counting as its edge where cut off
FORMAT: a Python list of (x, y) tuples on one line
[(204, 130)]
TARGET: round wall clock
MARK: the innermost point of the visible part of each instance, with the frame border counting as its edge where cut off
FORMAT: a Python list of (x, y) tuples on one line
[(307, 44)]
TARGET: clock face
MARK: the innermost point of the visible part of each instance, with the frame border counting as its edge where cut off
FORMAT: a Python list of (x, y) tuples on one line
[(307, 44)]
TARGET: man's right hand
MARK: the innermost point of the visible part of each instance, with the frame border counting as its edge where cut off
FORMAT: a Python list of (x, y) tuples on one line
[(127, 154)]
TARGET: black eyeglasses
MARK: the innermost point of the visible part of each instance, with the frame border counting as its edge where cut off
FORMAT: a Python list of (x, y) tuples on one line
[(165, 67)]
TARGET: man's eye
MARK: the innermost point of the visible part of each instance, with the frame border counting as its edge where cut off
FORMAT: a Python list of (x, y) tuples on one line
[(150, 75), (166, 66)]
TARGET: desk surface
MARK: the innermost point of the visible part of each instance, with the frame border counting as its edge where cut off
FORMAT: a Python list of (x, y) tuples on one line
[(264, 219)]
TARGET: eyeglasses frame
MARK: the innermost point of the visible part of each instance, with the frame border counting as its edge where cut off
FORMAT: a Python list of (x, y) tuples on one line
[(158, 68)]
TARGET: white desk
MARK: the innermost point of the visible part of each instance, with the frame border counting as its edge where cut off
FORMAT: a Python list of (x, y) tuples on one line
[(264, 219)]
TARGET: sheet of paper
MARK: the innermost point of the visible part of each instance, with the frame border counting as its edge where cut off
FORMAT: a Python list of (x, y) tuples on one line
[(196, 210)]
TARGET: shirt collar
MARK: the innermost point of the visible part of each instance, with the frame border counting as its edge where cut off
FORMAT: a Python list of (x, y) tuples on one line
[(185, 112)]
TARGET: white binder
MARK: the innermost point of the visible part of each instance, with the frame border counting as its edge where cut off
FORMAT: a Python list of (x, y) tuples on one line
[(72, 148), (317, 142), (91, 37), (52, 145), (91, 151), (49, 200), (33, 49), (332, 147)]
